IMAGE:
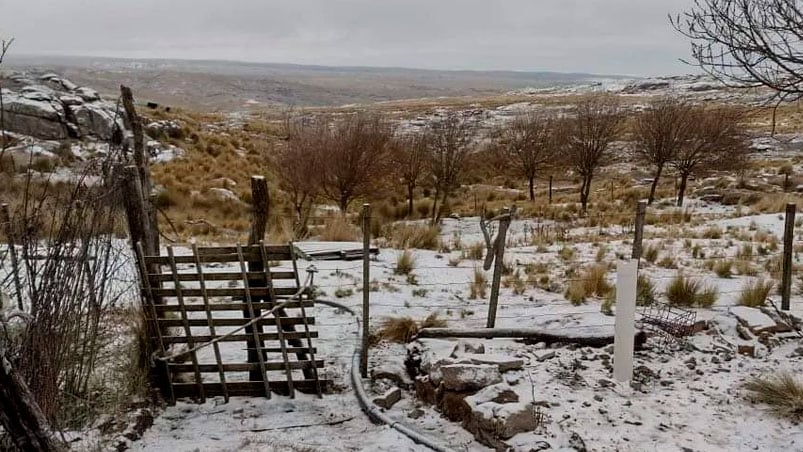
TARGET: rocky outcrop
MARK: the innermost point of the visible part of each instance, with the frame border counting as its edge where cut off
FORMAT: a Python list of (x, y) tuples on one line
[(54, 108)]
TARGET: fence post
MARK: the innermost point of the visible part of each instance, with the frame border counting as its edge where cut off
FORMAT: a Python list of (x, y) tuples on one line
[(641, 211), (259, 221), (788, 240), (550, 189), (12, 251), (499, 250), (366, 289), (625, 327)]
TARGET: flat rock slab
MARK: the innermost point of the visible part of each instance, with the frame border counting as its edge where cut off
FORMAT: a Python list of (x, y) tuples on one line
[(754, 319), (503, 362), (388, 399), (466, 377)]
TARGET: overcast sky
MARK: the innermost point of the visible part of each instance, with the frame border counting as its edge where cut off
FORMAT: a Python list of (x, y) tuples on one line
[(601, 36)]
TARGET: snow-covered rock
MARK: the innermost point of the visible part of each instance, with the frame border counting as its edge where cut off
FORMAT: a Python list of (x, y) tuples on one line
[(502, 362), (754, 319), (465, 377)]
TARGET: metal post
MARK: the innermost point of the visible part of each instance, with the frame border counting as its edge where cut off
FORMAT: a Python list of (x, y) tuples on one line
[(366, 290), (499, 249), (788, 239), (641, 211)]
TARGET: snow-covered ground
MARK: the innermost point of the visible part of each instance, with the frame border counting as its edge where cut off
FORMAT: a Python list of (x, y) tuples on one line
[(686, 399)]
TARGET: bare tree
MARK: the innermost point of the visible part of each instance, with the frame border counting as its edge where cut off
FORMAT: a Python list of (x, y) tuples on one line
[(408, 154), (299, 165), (659, 132), (591, 129), (748, 42), (356, 156), (528, 144), (449, 143), (716, 141)]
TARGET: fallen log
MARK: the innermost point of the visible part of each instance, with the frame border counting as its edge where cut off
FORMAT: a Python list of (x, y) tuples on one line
[(529, 335)]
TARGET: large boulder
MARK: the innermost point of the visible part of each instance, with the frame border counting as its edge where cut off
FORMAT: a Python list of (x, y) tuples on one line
[(53, 108)]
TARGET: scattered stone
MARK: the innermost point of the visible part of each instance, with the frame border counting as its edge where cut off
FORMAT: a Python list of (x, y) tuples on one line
[(466, 347), (425, 390), (462, 377), (512, 378), (394, 372), (504, 363), (598, 397), (388, 399), (491, 422), (746, 349), (576, 442), (544, 355), (498, 393), (416, 413)]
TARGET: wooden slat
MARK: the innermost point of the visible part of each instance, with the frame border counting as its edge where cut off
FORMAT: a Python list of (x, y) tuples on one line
[(238, 337), (160, 308), (279, 321), (202, 283), (235, 322), (221, 257), (267, 350), (249, 251), (251, 314), (245, 388), (247, 367), (306, 324), (225, 292), (222, 276), (185, 323)]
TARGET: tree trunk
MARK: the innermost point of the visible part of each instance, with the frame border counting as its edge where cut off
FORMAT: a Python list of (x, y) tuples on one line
[(585, 191), (682, 188), (410, 206), (435, 206), (344, 204), (654, 185), (20, 416), (532, 188)]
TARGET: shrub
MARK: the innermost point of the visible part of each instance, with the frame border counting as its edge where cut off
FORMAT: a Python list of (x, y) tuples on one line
[(479, 287), (595, 281), (566, 253), (420, 292), (433, 321), (415, 236), (601, 253), (688, 292), (405, 262), (339, 229), (575, 292), (746, 268), (344, 292), (755, 293), (782, 392), (515, 282), (723, 268)]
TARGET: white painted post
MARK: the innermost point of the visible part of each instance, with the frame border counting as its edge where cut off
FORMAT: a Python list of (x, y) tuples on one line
[(625, 327)]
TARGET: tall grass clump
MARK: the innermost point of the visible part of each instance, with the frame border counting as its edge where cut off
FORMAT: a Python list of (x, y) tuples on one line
[(592, 282), (404, 329), (414, 236), (782, 392), (339, 229), (690, 292), (754, 293), (723, 268), (646, 293), (405, 262), (479, 287)]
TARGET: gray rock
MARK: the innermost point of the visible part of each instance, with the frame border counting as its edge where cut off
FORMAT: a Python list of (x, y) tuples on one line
[(463, 377), (388, 399), (465, 347), (504, 363)]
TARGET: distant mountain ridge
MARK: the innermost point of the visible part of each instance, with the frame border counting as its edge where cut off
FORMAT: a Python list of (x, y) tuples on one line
[(233, 85)]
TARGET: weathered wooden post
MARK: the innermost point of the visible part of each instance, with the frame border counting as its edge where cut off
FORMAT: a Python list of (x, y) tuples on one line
[(499, 256), (550, 189), (12, 252), (366, 289), (638, 234), (259, 222), (788, 244)]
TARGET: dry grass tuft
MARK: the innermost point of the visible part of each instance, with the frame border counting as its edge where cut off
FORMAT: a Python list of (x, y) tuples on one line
[(404, 329), (755, 293), (782, 392), (723, 268), (593, 282), (478, 288), (414, 236), (339, 229), (689, 292), (405, 262)]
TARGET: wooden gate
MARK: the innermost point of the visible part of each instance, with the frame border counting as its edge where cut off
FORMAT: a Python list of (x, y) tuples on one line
[(232, 320)]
